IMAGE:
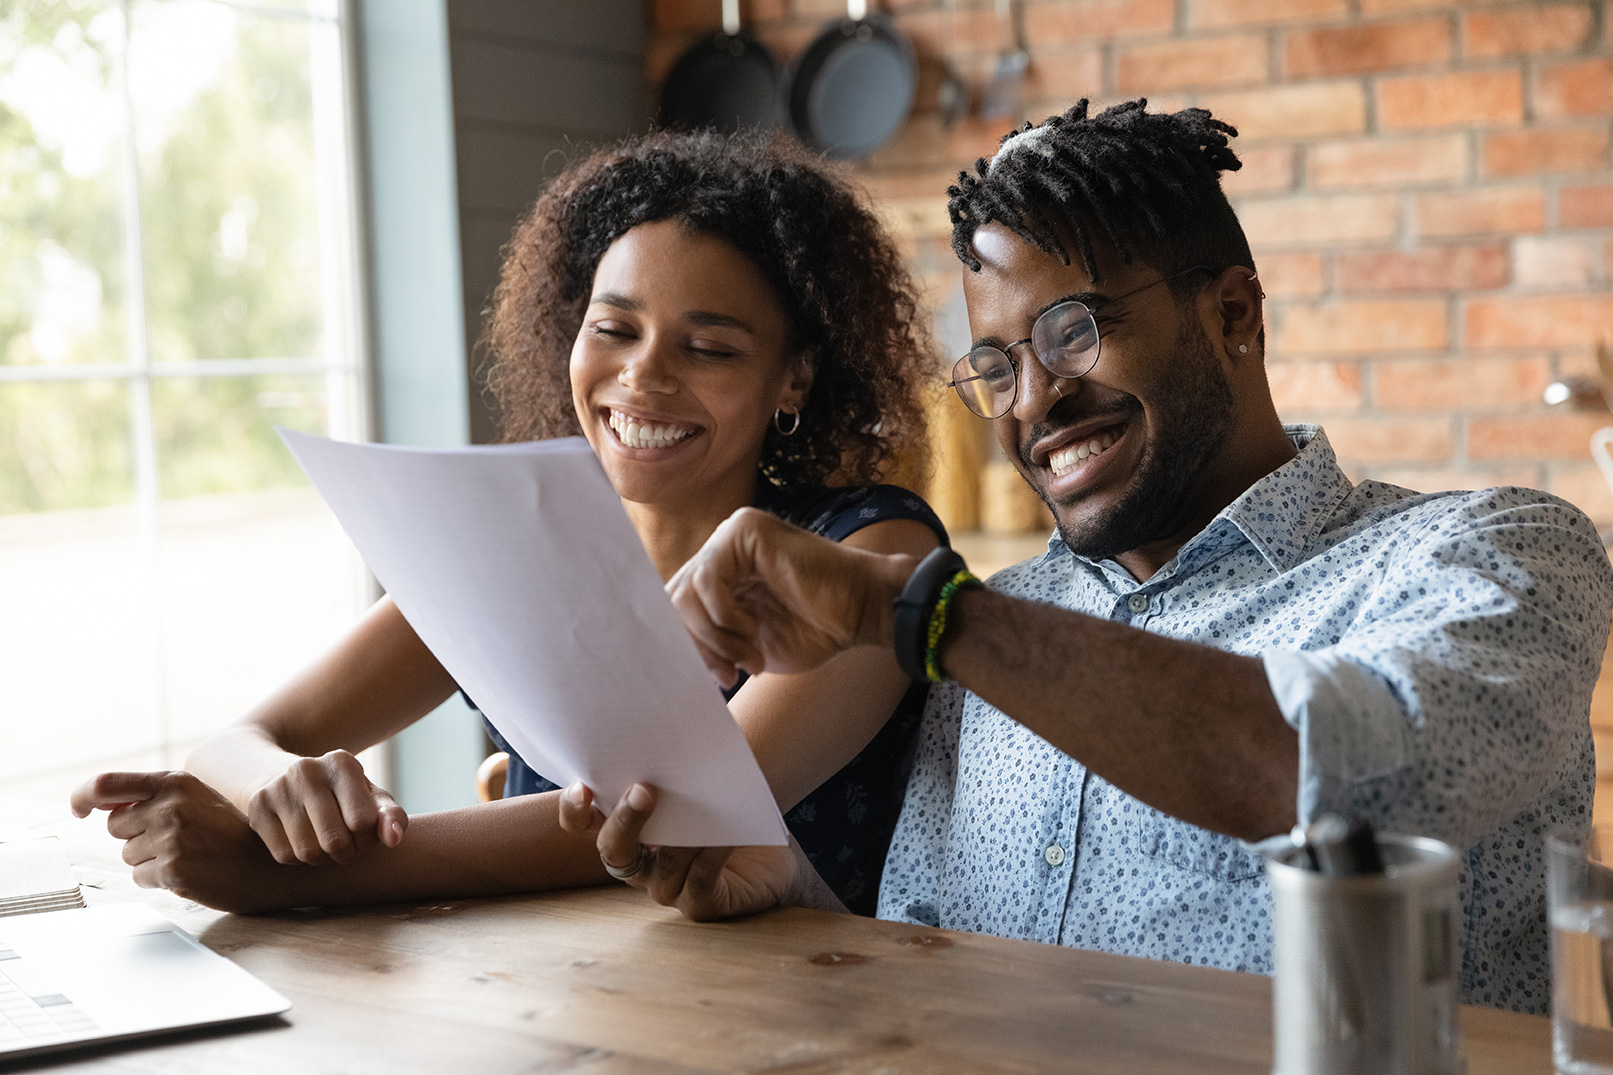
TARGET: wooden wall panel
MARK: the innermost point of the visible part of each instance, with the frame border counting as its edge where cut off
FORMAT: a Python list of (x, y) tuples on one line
[(535, 81)]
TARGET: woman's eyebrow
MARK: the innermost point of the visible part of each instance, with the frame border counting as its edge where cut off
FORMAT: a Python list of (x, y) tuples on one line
[(707, 317), (616, 299), (695, 317)]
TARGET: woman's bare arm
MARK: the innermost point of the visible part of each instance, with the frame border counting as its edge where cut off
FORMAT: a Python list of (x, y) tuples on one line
[(378, 679), (289, 765), (182, 835), (804, 728)]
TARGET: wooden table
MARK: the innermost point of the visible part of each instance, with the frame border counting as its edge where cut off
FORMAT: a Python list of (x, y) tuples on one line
[(603, 982)]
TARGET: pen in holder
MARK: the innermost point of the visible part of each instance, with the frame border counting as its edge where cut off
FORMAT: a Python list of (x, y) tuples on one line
[(1365, 954)]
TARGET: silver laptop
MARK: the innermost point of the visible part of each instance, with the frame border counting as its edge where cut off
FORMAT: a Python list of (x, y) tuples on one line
[(100, 974)]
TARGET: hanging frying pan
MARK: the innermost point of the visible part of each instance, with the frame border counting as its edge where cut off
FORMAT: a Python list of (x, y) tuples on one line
[(1000, 99), (853, 86), (727, 80)]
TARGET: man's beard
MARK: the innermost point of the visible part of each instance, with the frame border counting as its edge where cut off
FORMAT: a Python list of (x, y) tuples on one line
[(1194, 423)]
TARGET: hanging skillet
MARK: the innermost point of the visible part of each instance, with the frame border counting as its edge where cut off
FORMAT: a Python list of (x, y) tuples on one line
[(853, 86), (727, 80)]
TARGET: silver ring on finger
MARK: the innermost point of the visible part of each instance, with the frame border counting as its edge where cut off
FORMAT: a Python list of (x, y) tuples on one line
[(632, 869)]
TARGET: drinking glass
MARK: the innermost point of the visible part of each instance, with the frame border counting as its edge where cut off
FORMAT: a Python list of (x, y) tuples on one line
[(1580, 886)]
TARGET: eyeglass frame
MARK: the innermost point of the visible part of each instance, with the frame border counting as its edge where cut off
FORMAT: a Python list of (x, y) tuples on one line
[(1008, 351)]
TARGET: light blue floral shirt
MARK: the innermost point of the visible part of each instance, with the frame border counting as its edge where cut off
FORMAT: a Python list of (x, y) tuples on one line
[(1435, 652)]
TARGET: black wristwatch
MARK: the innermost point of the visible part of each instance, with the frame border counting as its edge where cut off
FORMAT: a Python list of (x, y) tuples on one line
[(915, 611)]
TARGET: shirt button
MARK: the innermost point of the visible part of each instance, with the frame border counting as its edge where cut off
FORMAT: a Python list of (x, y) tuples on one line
[(1138, 602), (1054, 855)]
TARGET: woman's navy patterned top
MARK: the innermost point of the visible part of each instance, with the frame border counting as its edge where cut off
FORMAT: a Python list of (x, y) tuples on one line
[(845, 825)]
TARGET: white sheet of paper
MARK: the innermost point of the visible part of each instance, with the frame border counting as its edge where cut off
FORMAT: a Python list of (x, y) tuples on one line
[(518, 568)]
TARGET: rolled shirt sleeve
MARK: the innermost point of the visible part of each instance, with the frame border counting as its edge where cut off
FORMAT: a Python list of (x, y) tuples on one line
[(1462, 686)]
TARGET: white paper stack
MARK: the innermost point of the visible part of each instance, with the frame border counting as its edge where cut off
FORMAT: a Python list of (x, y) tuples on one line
[(36, 876)]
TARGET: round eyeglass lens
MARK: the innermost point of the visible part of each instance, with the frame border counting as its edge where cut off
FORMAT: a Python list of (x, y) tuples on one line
[(1066, 339), (985, 380)]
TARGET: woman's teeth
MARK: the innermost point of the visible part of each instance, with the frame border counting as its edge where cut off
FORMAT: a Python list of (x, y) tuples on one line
[(640, 434), (1065, 459)]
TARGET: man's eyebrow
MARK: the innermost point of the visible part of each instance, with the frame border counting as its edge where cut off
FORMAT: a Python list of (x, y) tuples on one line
[(1089, 299)]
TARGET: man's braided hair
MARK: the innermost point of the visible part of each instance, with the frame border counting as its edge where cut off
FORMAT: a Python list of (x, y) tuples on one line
[(1146, 183)]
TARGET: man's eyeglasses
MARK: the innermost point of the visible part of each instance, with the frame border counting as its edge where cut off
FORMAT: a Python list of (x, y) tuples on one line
[(1065, 339)]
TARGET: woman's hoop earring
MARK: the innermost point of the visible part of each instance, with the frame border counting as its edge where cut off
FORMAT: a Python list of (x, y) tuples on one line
[(779, 425)]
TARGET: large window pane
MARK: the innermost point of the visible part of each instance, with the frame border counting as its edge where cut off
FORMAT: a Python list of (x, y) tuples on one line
[(256, 576), (174, 191), (62, 289), (216, 434), (229, 190), (66, 445), (77, 629)]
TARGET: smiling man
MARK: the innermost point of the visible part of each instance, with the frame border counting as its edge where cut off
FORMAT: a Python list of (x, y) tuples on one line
[(1225, 636)]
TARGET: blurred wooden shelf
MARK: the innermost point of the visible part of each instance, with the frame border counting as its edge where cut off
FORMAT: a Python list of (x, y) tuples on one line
[(989, 552)]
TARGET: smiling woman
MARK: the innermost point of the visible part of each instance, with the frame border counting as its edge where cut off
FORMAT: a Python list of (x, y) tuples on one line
[(680, 366), (729, 327), (835, 276)]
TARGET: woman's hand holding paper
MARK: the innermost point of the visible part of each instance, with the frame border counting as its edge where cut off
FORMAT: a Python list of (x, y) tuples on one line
[(704, 883)]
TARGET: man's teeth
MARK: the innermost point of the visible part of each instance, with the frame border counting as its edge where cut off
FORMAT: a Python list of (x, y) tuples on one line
[(1065, 459), (640, 434)]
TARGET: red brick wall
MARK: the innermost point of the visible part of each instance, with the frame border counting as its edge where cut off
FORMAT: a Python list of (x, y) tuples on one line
[(1428, 187)]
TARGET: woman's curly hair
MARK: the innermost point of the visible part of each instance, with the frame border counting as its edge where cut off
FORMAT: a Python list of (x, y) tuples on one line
[(847, 299)]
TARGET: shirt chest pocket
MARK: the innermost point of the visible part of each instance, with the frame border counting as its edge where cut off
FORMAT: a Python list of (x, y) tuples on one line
[(1189, 847)]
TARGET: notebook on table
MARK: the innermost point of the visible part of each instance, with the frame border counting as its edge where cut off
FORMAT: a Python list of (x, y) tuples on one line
[(36, 876), (72, 975)]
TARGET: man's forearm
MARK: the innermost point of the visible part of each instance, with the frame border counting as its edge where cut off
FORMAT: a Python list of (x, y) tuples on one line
[(1190, 730)]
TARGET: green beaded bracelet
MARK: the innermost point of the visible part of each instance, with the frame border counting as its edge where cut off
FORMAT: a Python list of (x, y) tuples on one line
[(937, 629), (913, 608)]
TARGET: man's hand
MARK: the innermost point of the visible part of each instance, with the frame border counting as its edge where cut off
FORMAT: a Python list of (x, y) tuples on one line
[(324, 809), (705, 883), (761, 594), (182, 835)]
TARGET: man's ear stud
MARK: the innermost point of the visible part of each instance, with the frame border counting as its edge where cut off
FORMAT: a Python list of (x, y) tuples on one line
[(1243, 348)]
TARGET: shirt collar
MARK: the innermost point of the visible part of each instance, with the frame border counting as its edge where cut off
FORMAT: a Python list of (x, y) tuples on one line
[(1284, 512), (1280, 515)]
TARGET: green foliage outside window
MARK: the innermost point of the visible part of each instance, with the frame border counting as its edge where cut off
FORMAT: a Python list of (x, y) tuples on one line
[(230, 234)]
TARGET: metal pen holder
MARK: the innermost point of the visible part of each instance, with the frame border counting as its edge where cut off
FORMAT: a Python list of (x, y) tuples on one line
[(1366, 965)]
